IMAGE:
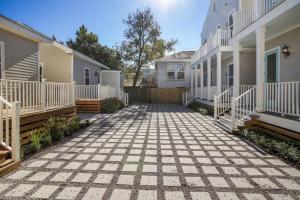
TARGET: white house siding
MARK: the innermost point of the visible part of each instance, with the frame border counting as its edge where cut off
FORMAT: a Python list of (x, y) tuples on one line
[(78, 73), (289, 66), (219, 17), (21, 57), (162, 78), (57, 64)]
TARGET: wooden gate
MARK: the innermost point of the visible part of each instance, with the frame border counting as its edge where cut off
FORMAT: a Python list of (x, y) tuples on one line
[(155, 95)]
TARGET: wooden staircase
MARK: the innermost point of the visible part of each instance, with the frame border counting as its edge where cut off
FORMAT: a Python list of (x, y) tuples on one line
[(6, 163)]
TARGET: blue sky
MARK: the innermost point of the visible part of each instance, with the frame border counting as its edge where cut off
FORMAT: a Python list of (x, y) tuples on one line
[(181, 19)]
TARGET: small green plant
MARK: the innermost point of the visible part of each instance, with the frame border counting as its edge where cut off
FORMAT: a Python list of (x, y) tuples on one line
[(35, 141), (46, 139), (203, 111), (110, 108), (282, 148), (55, 126)]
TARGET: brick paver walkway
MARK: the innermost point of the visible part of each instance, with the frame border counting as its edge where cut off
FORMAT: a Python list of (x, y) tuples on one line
[(150, 152)]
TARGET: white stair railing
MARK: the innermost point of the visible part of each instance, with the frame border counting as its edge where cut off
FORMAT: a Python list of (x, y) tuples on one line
[(242, 107), (10, 127), (222, 102), (282, 98), (186, 98)]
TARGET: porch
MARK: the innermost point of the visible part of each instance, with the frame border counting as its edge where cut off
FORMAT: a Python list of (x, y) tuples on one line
[(275, 96)]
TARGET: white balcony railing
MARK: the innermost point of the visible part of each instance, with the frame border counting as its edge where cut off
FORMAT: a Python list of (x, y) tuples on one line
[(219, 38), (282, 98), (37, 96), (246, 16)]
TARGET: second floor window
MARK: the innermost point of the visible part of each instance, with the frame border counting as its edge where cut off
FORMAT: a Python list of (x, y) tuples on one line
[(175, 71), (214, 5), (87, 76)]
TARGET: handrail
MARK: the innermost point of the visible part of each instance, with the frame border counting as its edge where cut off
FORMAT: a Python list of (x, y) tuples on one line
[(222, 102), (5, 102), (242, 106), (10, 135)]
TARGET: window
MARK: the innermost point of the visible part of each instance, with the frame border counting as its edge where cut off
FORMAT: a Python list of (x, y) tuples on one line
[(41, 71), (1, 59), (171, 72), (214, 5), (180, 71), (98, 76), (87, 76), (230, 75), (175, 71), (205, 75)]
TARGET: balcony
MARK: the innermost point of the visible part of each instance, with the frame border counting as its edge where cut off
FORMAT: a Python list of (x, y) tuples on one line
[(246, 16), (219, 38)]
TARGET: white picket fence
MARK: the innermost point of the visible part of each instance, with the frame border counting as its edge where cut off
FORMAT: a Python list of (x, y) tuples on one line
[(37, 96), (99, 92), (10, 119)]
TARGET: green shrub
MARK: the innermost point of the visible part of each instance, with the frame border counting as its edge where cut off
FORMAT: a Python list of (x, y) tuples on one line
[(46, 139), (35, 141), (203, 111), (73, 125), (284, 149), (55, 126)]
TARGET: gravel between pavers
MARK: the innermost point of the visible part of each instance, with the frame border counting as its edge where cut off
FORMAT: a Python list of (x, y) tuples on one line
[(180, 154)]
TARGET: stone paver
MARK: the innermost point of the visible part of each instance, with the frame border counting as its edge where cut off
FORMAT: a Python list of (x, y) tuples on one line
[(152, 152)]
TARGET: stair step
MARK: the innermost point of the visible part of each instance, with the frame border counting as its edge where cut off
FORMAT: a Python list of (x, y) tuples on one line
[(8, 166), (3, 155)]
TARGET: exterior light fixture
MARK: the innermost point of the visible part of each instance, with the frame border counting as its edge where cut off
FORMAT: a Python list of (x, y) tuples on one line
[(285, 50)]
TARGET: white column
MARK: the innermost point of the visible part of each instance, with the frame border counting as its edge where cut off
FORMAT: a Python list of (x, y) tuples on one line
[(219, 73), (208, 77), (202, 80), (236, 69), (260, 67), (196, 82)]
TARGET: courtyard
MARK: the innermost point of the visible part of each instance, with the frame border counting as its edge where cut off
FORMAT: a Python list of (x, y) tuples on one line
[(152, 152)]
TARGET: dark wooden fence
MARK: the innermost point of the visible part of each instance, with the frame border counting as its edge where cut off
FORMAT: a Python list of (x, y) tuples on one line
[(155, 95)]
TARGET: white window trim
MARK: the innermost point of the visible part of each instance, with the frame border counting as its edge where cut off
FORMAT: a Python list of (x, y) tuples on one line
[(86, 68), (2, 46), (41, 65), (176, 71), (278, 48)]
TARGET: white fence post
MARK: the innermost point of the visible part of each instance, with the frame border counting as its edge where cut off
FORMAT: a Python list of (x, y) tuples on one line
[(72, 94), (232, 113), (43, 94), (99, 91), (15, 134), (215, 107)]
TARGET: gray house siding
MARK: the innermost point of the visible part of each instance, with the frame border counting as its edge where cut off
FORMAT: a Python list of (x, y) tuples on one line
[(219, 17), (289, 66), (21, 57), (163, 82), (78, 71)]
